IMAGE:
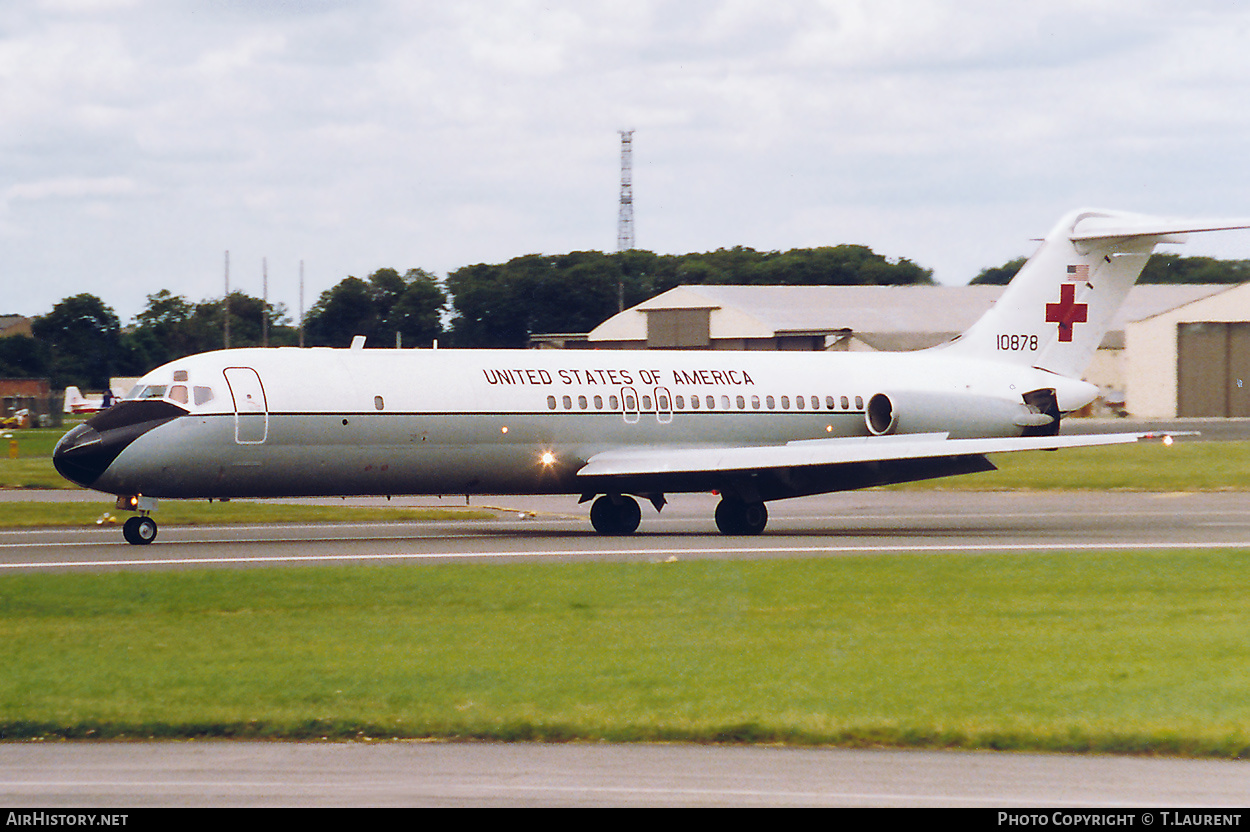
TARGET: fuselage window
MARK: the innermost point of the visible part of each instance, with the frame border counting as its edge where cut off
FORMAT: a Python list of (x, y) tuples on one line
[(551, 402), (568, 403), (724, 402), (771, 402), (378, 404), (613, 403), (846, 403), (629, 403), (681, 402), (755, 402), (742, 403), (178, 393), (785, 402), (646, 402), (799, 402), (815, 402), (582, 403), (694, 402), (180, 375), (859, 402), (662, 401), (598, 402), (203, 395), (711, 402), (830, 404)]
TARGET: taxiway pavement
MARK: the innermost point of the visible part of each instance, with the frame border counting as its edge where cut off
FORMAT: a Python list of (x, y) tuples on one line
[(556, 528)]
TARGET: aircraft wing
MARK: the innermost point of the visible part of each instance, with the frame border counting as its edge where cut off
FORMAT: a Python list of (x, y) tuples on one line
[(652, 462)]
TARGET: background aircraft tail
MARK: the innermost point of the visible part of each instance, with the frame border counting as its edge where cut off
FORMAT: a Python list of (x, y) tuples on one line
[(73, 398), (1056, 310)]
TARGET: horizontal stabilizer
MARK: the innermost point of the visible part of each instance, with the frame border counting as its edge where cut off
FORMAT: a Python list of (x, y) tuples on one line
[(808, 452), (1122, 226)]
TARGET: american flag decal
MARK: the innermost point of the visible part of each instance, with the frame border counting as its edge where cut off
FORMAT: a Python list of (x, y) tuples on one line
[(1078, 273)]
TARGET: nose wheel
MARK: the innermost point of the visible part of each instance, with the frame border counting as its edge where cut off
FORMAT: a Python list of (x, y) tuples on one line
[(139, 531)]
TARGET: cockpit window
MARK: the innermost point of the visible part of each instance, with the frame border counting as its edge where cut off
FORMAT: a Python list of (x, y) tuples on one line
[(180, 393)]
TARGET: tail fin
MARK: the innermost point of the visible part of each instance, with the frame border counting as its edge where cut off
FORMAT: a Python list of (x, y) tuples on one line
[(73, 396), (1055, 311)]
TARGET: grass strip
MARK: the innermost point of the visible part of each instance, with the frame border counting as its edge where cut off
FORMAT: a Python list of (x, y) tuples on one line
[(1140, 653), (1148, 466), (203, 513)]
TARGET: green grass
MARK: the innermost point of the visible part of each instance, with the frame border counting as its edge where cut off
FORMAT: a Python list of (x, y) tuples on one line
[(1119, 653), (34, 441), (202, 513), (1149, 466)]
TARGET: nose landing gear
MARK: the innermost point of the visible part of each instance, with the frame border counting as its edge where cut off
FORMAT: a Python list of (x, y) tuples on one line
[(141, 529)]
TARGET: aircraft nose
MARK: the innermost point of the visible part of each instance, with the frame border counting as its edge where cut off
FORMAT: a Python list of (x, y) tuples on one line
[(84, 453)]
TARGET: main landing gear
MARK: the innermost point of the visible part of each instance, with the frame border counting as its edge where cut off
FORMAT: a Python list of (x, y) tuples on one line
[(615, 514), (734, 516), (618, 514)]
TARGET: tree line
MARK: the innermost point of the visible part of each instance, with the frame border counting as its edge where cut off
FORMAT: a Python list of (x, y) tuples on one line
[(82, 341)]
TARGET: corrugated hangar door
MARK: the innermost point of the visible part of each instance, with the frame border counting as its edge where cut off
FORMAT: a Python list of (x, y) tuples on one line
[(1213, 369)]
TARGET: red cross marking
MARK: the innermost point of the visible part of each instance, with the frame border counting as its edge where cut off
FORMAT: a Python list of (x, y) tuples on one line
[(1067, 311)]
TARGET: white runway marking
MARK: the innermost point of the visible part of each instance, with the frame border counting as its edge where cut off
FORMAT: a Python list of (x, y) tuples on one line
[(653, 552)]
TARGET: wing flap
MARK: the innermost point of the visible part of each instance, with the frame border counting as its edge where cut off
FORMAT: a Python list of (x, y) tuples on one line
[(813, 452)]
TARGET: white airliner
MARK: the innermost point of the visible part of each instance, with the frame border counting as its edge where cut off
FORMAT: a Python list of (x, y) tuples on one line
[(753, 426)]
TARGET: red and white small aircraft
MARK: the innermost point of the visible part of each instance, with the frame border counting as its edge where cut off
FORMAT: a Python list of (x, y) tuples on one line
[(76, 402)]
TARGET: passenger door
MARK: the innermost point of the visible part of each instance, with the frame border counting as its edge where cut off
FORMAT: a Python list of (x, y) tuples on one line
[(251, 411)]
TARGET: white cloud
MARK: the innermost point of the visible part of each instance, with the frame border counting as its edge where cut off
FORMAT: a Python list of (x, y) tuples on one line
[(73, 188), (156, 134)]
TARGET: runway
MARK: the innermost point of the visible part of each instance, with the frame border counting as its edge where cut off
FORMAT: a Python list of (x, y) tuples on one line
[(555, 529), (245, 774)]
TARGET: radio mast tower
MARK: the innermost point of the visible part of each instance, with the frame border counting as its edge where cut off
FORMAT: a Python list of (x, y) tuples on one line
[(625, 219)]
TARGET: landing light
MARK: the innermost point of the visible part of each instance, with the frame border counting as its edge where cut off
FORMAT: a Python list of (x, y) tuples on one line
[(548, 458), (1167, 440)]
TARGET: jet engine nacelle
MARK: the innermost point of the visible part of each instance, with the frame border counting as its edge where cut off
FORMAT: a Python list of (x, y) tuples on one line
[(963, 416)]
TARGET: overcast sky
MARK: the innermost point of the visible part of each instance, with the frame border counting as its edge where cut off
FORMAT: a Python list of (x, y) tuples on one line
[(142, 139)]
